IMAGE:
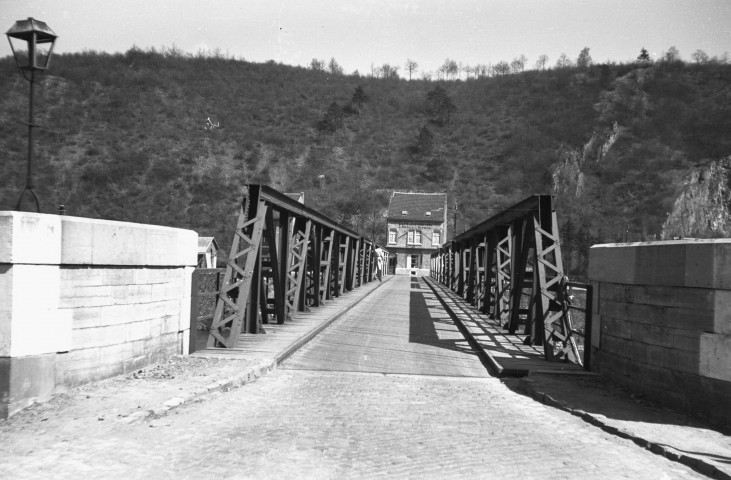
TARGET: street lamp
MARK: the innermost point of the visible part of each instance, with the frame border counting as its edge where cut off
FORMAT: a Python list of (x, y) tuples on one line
[(32, 44)]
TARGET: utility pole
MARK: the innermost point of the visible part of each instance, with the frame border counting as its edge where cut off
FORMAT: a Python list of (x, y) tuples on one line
[(454, 232)]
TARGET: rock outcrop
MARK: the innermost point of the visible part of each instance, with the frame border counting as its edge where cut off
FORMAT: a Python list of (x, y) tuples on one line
[(703, 209)]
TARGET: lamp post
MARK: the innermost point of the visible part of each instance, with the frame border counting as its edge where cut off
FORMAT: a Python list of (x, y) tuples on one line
[(32, 44)]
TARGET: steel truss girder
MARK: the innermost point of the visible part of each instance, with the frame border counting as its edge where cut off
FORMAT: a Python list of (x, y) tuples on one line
[(285, 257), (510, 268)]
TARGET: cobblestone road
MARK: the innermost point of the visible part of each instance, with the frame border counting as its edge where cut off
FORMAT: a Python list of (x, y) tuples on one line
[(308, 423)]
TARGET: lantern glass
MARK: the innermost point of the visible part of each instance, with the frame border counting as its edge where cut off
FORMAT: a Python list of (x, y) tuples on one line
[(43, 55)]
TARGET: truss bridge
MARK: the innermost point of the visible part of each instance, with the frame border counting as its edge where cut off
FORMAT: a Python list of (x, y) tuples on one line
[(502, 282)]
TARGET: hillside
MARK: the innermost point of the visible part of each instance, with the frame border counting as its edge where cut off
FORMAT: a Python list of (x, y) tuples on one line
[(125, 137)]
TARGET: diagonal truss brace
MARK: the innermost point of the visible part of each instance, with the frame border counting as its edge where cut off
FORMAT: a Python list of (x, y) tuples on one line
[(558, 341), (228, 318)]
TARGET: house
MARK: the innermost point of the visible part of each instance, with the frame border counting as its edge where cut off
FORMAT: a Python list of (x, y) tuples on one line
[(207, 252), (298, 197), (417, 225)]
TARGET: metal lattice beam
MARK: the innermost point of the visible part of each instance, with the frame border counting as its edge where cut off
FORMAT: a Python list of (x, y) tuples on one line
[(285, 257), (510, 267)]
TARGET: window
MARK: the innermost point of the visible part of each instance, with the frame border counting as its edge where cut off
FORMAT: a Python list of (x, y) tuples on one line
[(414, 261), (414, 237), (392, 236), (436, 239)]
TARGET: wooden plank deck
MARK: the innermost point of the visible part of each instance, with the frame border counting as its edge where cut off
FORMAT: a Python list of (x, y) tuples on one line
[(506, 352), (280, 341)]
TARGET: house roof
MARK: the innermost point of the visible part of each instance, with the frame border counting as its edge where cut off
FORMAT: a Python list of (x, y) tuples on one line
[(300, 197), (205, 242), (423, 207)]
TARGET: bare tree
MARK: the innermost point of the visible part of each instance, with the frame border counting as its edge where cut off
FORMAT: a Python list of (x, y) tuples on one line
[(501, 68), (480, 70), (449, 68), (389, 71), (563, 61), (699, 56), (334, 68), (518, 64), (411, 67), (316, 64), (541, 62), (463, 67), (672, 55), (515, 66)]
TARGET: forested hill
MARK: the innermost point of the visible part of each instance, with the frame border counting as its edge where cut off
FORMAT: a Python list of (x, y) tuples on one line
[(127, 137)]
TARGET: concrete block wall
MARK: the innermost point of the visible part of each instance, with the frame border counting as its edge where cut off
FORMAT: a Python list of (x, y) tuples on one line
[(84, 299), (662, 321)]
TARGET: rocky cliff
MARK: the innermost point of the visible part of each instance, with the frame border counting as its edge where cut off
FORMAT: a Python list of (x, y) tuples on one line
[(703, 208)]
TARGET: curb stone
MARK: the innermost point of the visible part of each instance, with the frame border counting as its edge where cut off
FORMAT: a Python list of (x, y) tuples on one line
[(249, 375), (697, 464)]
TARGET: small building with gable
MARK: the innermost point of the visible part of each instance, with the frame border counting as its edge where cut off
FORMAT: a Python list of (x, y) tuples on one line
[(417, 225), (207, 252)]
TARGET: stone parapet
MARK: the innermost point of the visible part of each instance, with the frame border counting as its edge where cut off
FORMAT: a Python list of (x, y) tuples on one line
[(85, 299), (662, 320)]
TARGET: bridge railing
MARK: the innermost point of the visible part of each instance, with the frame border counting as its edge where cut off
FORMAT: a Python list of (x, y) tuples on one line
[(205, 288), (510, 268), (579, 299), (285, 258)]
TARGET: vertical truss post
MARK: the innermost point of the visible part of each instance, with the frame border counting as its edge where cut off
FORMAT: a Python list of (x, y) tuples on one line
[(326, 264), (228, 317), (361, 262), (456, 269), (336, 265), (297, 258), (521, 247), (516, 274), (481, 275), (504, 258), (345, 274), (285, 259), (252, 319), (442, 265), (490, 275), (372, 262), (270, 236), (463, 269), (366, 261), (473, 279), (314, 266), (558, 343), (352, 253), (360, 269)]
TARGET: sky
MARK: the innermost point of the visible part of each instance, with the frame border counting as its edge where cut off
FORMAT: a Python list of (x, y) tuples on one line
[(366, 33)]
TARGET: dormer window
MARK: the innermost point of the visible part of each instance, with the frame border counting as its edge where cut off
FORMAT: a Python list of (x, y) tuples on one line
[(404, 212), (428, 214)]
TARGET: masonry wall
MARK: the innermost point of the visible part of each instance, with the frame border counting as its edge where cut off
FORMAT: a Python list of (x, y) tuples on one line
[(662, 321), (83, 299)]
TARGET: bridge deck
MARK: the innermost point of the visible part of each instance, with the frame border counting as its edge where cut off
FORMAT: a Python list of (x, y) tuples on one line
[(280, 341), (506, 352)]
